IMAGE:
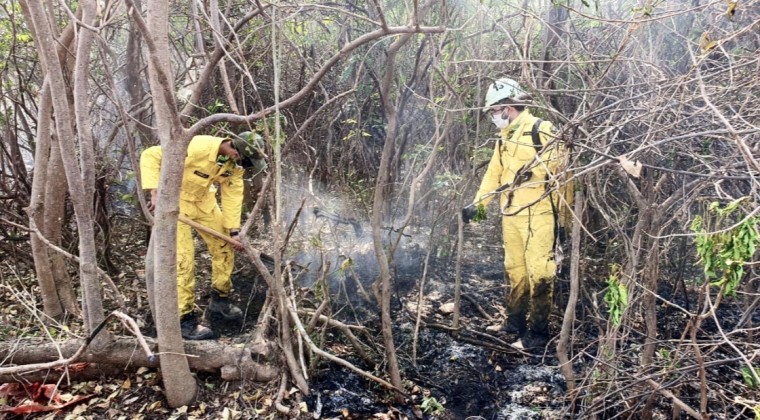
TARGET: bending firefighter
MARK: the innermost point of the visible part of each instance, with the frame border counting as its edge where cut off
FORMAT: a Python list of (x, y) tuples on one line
[(210, 162), (520, 171)]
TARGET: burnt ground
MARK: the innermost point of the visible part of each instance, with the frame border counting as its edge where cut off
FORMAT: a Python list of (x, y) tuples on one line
[(473, 374)]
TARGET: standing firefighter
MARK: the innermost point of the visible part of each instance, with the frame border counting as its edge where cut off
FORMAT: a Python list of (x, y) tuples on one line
[(210, 161), (520, 172)]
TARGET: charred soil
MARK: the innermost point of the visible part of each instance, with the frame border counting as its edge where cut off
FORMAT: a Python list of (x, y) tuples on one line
[(474, 372)]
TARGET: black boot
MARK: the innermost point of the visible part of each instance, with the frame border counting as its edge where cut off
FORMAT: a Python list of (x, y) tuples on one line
[(535, 340), (515, 325), (192, 330), (222, 307)]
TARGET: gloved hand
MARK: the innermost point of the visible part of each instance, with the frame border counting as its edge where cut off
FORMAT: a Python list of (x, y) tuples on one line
[(468, 213)]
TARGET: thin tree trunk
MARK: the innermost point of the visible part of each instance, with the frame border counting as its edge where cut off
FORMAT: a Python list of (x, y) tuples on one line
[(378, 206), (91, 293), (378, 203), (134, 75), (217, 27), (569, 319), (556, 17), (651, 272)]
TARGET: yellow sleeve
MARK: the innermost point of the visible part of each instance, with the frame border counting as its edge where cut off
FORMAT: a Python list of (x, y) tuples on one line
[(232, 198), (492, 178), (150, 167)]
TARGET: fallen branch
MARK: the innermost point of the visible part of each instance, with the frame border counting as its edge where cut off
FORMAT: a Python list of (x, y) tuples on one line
[(346, 330), (328, 356), (677, 401), (478, 307), (507, 346)]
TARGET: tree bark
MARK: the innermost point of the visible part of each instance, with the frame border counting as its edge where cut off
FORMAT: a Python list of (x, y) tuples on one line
[(378, 206), (52, 305), (48, 198), (91, 292), (179, 383), (54, 220), (91, 302), (568, 320), (555, 22), (233, 363)]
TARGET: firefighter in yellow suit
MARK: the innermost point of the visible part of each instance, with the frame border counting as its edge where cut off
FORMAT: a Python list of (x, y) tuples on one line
[(522, 169), (210, 162)]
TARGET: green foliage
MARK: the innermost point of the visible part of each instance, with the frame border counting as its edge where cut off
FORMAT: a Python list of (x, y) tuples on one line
[(316, 242), (447, 182), (482, 154), (616, 297), (418, 152), (356, 135), (751, 377), (360, 188), (13, 34), (480, 213), (217, 106), (345, 266), (724, 252), (270, 123), (431, 406)]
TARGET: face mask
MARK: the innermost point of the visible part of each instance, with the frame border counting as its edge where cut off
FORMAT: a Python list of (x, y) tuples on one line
[(499, 122)]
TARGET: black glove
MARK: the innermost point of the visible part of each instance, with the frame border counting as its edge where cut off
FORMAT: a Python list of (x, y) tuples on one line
[(468, 213)]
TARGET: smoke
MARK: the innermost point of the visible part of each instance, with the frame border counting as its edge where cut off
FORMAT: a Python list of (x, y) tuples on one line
[(332, 231)]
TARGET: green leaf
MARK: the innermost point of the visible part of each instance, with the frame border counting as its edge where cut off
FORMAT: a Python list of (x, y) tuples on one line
[(750, 380), (480, 213)]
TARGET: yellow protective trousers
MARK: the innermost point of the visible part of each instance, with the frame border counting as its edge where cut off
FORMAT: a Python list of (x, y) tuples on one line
[(530, 266), (222, 255)]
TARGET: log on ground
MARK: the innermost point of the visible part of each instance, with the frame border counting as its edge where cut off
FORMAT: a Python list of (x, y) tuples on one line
[(231, 362)]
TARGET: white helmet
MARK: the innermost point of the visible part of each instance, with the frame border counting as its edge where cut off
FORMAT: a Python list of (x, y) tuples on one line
[(504, 89)]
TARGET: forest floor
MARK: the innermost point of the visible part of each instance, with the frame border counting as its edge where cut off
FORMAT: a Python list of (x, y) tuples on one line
[(474, 374)]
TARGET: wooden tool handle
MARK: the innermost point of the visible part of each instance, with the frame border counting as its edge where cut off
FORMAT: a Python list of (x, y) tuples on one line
[(205, 229)]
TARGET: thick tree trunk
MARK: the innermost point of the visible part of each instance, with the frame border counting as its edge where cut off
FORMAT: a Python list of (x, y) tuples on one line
[(178, 381), (47, 202), (54, 218), (51, 303), (91, 302)]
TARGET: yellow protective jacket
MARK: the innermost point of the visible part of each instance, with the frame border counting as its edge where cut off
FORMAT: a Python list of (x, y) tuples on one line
[(514, 151), (201, 173)]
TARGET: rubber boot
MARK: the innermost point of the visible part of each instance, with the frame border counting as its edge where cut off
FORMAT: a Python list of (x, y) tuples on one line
[(221, 306), (535, 340), (515, 324), (192, 330)]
